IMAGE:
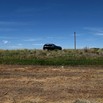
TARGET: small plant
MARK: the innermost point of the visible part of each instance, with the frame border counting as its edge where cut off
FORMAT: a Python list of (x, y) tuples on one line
[(27, 102), (86, 49), (80, 101)]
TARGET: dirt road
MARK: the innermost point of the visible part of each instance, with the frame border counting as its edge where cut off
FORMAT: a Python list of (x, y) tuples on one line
[(44, 84)]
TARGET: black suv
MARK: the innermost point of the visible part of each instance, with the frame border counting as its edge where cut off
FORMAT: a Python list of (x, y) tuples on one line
[(51, 47)]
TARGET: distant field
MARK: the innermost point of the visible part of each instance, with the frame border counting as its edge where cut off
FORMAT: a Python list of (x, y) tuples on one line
[(50, 84), (85, 56)]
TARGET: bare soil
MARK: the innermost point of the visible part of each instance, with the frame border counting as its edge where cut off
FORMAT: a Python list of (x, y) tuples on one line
[(44, 84)]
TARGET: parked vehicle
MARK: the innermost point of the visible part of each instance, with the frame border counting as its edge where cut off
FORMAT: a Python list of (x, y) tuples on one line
[(51, 47)]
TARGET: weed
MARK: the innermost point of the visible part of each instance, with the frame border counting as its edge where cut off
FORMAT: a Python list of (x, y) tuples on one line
[(82, 101), (40, 57)]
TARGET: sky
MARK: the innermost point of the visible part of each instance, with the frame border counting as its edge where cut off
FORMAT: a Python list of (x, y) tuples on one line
[(29, 24)]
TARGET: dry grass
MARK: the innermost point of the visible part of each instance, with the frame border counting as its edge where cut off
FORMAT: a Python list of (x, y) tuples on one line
[(44, 84), (41, 57)]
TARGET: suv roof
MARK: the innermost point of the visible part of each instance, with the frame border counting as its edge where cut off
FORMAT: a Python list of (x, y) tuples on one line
[(49, 44)]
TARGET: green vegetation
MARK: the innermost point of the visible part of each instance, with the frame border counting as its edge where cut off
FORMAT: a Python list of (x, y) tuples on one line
[(85, 56)]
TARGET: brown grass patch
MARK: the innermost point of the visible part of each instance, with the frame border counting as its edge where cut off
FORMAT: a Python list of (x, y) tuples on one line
[(44, 84)]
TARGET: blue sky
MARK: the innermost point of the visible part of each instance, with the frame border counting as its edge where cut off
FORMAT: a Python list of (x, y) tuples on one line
[(31, 23)]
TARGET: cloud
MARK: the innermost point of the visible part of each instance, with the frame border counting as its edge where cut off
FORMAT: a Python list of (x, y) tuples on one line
[(20, 44), (6, 37), (31, 40), (6, 23), (12, 23), (56, 37), (99, 33), (5, 42), (38, 44), (14, 47), (7, 29), (32, 9), (8, 26), (95, 31), (23, 10)]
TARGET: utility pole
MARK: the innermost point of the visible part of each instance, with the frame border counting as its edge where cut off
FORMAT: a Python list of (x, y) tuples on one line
[(75, 40)]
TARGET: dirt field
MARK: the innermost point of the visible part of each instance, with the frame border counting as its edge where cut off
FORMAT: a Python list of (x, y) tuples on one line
[(43, 84)]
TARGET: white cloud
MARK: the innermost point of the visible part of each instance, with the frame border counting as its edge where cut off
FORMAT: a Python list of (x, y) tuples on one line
[(37, 44), (20, 44), (9, 23), (31, 40), (99, 33), (14, 47), (95, 31), (5, 37), (5, 42), (60, 37), (7, 29), (25, 9)]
